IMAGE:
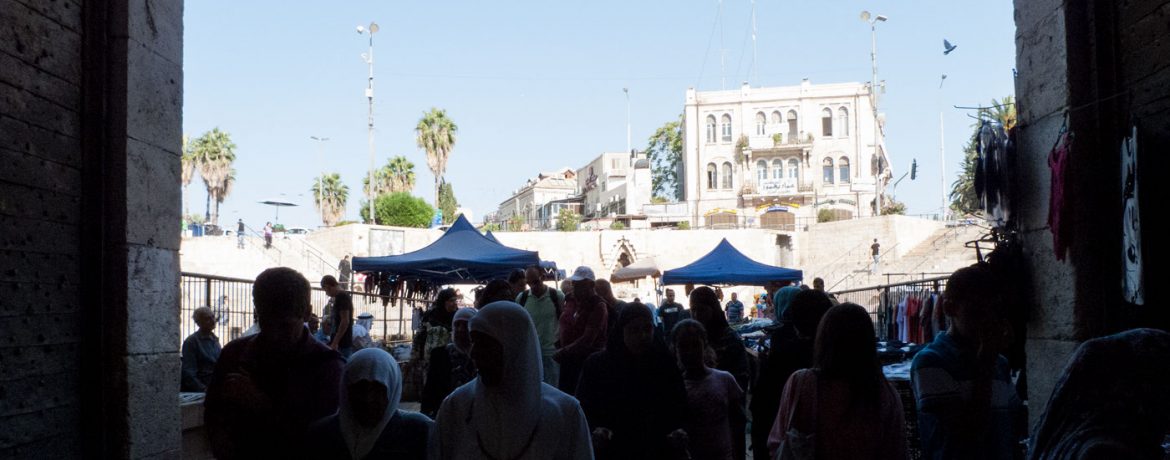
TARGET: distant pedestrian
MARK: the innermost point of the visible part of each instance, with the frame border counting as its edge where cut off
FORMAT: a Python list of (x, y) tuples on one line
[(670, 313), (268, 235), (819, 285), (341, 318), (518, 281), (240, 233), (734, 309), (544, 305), (876, 249), (344, 272), (583, 326)]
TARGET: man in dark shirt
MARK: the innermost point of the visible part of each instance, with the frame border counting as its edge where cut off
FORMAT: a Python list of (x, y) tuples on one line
[(344, 271), (267, 388), (671, 312), (876, 249), (341, 317), (240, 233), (200, 352)]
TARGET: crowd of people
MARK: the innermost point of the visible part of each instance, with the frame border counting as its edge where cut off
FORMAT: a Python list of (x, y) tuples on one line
[(534, 371)]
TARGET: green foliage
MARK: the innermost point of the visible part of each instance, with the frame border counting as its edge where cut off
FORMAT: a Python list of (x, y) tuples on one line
[(825, 215), (684, 225), (435, 134), (401, 209), (345, 222), (491, 227), (447, 202), (568, 220), (617, 225), (196, 219), (892, 207), (330, 196), (742, 144), (658, 200), (777, 139), (515, 223), (213, 154), (278, 228), (665, 153), (396, 176)]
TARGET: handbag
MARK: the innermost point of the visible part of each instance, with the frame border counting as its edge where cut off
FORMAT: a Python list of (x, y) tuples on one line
[(801, 444)]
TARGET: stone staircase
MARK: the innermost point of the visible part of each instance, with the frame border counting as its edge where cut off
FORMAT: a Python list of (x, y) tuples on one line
[(220, 256), (942, 253)]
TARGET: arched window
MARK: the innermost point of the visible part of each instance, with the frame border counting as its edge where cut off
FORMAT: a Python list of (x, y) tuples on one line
[(777, 169), (827, 168), (792, 124), (843, 167), (793, 168), (712, 176), (710, 129), (726, 128), (761, 124), (762, 170), (727, 175), (776, 118), (843, 120), (827, 122)]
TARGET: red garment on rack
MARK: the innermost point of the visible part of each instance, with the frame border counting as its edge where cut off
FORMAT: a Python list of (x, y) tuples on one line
[(913, 304), (1058, 163)]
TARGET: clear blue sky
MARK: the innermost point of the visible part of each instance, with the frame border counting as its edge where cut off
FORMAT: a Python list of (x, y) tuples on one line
[(538, 85)]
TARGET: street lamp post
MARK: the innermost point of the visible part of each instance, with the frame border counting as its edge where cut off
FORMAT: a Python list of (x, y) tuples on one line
[(320, 156), (877, 181), (369, 58), (629, 147)]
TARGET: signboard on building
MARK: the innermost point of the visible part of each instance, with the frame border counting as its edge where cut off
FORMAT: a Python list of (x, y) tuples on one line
[(785, 186)]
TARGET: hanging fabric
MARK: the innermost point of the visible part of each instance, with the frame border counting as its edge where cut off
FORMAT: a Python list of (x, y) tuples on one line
[(992, 172), (1062, 232), (1131, 277)]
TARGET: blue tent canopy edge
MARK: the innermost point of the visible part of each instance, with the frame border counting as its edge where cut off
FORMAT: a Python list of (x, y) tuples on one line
[(726, 265)]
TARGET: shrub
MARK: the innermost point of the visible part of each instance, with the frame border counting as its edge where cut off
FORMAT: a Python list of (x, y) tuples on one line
[(617, 225), (684, 225), (825, 215), (401, 209)]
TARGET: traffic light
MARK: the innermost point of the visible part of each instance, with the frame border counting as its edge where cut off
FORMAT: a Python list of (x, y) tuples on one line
[(913, 169)]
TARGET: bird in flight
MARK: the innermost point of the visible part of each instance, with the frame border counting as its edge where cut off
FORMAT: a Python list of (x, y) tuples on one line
[(948, 47)]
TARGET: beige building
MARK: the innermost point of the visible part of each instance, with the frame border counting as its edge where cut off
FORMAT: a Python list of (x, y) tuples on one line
[(774, 157), (531, 202), (615, 185)]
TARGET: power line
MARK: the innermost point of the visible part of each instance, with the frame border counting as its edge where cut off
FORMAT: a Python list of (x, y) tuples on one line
[(710, 39)]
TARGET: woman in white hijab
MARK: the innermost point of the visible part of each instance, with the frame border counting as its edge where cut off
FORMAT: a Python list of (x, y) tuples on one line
[(507, 412), (368, 423)]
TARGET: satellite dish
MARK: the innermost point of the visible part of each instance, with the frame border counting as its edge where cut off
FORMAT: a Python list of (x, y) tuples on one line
[(865, 16)]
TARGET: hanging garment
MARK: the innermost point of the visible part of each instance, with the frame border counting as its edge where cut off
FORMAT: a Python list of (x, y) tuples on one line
[(1058, 163), (1131, 277), (993, 174)]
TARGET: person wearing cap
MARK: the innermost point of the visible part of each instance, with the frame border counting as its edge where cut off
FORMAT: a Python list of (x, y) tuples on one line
[(583, 328)]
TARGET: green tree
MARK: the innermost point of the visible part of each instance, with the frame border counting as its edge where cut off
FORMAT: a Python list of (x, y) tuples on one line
[(330, 196), (491, 227), (963, 197), (617, 225), (892, 207), (515, 223), (825, 215), (568, 220), (447, 202), (396, 176), (213, 154), (401, 209), (435, 134), (665, 152)]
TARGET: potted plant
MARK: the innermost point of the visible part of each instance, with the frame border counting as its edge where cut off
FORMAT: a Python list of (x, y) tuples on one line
[(777, 139)]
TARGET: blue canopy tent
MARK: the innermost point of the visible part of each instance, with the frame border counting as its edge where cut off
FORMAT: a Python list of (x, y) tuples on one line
[(726, 265), (461, 255), (492, 237), (547, 266)]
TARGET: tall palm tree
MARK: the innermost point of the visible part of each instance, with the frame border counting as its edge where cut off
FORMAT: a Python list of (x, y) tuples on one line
[(436, 135), (396, 176), (225, 189), (214, 152), (330, 196), (189, 165)]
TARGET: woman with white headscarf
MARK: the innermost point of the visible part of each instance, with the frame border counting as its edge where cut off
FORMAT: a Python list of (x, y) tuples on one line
[(507, 412), (368, 423)]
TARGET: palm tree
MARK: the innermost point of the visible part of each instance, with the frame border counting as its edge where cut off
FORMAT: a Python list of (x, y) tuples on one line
[(189, 165), (330, 196), (223, 190), (213, 153), (396, 176), (436, 135)]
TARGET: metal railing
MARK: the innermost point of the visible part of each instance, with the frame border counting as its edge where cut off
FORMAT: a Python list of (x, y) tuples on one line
[(231, 301), (881, 300)]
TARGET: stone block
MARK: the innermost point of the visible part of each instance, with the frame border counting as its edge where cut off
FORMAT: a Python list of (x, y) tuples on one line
[(63, 13), (1028, 14), (22, 168), (156, 23), (39, 204), (34, 80), (24, 362), (154, 98), (27, 297), (21, 431), (39, 392), (38, 41), (1041, 59), (152, 302), (1046, 361), (25, 234), (20, 136), (38, 111), (152, 383), (154, 200), (40, 329), (1054, 292), (21, 266), (1033, 175)]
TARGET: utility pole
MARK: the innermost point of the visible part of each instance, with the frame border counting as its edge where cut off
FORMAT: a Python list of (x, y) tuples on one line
[(873, 88), (369, 58)]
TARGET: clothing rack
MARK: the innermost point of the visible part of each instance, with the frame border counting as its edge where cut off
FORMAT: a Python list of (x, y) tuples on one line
[(912, 312)]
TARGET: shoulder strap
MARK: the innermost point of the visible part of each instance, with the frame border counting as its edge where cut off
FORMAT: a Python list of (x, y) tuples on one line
[(523, 298)]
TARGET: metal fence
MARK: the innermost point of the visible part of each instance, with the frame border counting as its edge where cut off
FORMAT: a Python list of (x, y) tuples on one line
[(231, 301), (880, 300)]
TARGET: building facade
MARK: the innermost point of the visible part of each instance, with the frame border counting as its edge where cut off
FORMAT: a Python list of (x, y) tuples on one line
[(775, 157), (615, 185), (530, 202)]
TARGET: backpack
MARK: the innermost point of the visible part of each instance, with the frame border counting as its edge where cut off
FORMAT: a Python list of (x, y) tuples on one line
[(556, 299)]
